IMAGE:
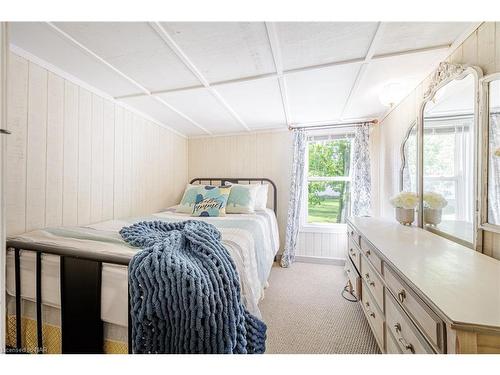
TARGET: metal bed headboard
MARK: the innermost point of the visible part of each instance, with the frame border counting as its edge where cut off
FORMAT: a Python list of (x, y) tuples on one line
[(240, 180)]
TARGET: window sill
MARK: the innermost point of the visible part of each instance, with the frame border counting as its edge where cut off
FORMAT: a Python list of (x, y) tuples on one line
[(323, 228)]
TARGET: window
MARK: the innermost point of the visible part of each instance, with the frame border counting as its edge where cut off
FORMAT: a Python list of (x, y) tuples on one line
[(328, 171), (448, 165)]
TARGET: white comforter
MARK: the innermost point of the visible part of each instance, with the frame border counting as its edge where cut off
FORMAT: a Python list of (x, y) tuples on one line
[(252, 240)]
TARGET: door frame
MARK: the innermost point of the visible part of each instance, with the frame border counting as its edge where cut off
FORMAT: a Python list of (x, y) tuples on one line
[(4, 49)]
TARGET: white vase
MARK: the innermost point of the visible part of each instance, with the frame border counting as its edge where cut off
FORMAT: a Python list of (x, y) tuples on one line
[(432, 215), (405, 216)]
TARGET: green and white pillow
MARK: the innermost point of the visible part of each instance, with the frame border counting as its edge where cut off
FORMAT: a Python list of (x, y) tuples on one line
[(242, 199), (188, 199), (211, 201)]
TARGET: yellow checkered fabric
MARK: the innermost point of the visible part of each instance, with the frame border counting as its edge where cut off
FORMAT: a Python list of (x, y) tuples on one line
[(51, 338)]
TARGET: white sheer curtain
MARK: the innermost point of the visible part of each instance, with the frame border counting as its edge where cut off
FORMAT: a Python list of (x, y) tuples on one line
[(296, 195)]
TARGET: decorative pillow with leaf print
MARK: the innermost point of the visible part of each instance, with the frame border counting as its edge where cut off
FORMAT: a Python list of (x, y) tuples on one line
[(242, 199)]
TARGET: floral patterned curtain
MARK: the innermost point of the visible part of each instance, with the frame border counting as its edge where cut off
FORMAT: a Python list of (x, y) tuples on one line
[(296, 188), (361, 189)]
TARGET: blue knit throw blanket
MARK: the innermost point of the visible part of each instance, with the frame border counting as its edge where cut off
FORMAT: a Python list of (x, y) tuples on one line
[(185, 292)]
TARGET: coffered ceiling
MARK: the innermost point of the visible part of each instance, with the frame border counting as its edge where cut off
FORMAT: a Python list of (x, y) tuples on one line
[(228, 77)]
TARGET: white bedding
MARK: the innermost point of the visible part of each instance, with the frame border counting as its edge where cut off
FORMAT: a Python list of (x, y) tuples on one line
[(251, 239)]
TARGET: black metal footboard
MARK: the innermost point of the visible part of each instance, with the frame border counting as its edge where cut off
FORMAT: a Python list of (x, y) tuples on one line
[(80, 283)]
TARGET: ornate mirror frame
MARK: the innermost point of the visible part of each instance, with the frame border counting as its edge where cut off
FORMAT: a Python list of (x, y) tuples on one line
[(444, 74), (483, 150), (402, 153)]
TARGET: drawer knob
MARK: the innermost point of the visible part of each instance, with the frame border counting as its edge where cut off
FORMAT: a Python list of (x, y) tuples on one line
[(408, 347), (401, 339), (370, 312), (402, 296), (367, 277), (397, 327)]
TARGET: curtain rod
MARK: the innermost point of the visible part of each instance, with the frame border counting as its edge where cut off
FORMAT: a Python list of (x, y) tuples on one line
[(336, 125)]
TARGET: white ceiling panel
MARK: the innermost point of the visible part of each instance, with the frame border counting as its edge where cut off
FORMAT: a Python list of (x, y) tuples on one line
[(320, 95), (224, 50), (314, 43), (163, 114), (404, 36), (257, 102), (135, 49), (406, 70), (204, 108), (40, 40)]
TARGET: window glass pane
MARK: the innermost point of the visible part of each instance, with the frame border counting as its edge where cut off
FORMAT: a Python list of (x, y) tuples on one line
[(328, 202), (439, 151), (329, 158)]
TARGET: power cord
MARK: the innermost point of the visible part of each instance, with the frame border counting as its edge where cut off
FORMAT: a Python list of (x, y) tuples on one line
[(346, 290)]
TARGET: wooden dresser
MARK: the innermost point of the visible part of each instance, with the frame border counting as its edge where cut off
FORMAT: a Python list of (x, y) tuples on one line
[(422, 293)]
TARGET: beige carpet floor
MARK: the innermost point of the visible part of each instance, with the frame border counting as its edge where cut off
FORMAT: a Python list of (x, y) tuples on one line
[(305, 313)]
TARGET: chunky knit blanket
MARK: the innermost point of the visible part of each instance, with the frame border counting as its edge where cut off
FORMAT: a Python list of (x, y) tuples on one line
[(185, 292)]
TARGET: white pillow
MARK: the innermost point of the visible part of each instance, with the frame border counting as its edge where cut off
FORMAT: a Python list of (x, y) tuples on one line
[(242, 199), (261, 198)]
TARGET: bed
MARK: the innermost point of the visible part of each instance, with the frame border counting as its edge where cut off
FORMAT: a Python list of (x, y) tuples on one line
[(70, 286)]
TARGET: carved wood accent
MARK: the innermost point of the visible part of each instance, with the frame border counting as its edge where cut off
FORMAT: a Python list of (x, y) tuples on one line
[(444, 71)]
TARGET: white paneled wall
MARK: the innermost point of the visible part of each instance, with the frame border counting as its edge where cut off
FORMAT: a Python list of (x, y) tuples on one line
[(322, 245), (76, 158), (481, 48), (266, 154)]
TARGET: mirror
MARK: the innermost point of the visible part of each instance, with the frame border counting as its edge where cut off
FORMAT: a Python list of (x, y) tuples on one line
[(448, 155), (493, 197), (408, 172)]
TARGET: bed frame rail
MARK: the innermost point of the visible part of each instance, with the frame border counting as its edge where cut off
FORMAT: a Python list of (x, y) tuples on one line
[(80, 283)]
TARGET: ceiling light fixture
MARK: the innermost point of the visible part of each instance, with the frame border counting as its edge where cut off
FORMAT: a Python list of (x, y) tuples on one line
[(392, 93)]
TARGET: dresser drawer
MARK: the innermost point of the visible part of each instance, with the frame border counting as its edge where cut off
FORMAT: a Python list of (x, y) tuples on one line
[(428, 322), (354, 253), (373, 314), (371, 255), (373, 282), (406, 334), (352, 234), (354, 278), (391, 345)]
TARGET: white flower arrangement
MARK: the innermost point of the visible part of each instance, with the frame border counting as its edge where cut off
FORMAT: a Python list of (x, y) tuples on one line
[(405, 199), (434, 201)]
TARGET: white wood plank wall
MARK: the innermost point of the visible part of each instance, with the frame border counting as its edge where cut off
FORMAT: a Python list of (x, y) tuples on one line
[(76, 158), (248, 155), (322, 245)]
